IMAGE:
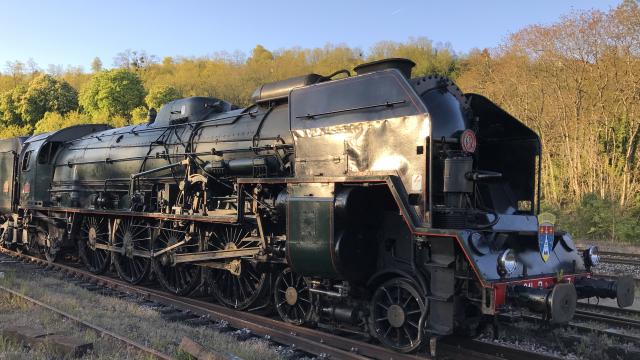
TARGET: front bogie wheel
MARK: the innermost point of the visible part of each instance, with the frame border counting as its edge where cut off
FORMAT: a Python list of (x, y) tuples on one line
[(292, 298)]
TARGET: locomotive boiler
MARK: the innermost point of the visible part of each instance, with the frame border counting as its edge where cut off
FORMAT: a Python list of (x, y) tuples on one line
[(375, 203)]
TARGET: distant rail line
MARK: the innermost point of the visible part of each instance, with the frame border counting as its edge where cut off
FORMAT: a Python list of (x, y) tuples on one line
[(617, 322), (620, 258)]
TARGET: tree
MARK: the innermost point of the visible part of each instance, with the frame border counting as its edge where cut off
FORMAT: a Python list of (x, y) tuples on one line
[(45, 93), (133, 59), (15, 131), (260, 55), (10, 106), (16, 69), (167, 60), (160, 95), (439, 60), (32, 66), (96, 65), (139, 115), (114, 93), (55, 70), (52, 121)]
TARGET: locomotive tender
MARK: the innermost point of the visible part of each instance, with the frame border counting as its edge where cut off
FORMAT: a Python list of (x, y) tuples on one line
[(376, 203)]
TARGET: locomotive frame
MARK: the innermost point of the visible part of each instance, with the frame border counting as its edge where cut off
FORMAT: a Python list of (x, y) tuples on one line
[(379, 204)]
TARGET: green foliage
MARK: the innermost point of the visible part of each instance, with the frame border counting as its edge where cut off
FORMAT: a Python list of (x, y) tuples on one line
[(595, 218), (114, 93), (160, 95), (260, 55), (139, 115), (12, 130), (45, 93), (114, 121), (55, 121), (10, 106), (440, 60), (50, 121)]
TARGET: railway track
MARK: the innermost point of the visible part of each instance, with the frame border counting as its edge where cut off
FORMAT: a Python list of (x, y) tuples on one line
[(619, 258), (128, 342), (614, 277), (627, 318), (633, 313), (614, 319), (615, 258), (318, 343), (619, 342), (606, 318)]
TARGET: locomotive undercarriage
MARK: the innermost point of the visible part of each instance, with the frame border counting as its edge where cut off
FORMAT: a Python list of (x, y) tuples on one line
[(244, 264)]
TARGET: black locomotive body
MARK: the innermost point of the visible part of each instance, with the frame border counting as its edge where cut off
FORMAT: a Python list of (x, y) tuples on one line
[(376, 203)]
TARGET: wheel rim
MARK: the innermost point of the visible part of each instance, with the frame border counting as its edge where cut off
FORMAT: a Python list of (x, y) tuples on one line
[(396, 314), (50, 253), (131, 235), (240, 291), (3, 232), (94, 230), (292, 298), (179, 279)]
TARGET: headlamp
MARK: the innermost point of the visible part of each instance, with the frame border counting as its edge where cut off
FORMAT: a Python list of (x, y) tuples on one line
[(507, 262), (591, 256)]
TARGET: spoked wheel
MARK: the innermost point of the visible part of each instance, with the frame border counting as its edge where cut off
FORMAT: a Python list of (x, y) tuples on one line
[(179, 279), (31, 247), (241, 285), (131, 236), (93, 231), (45, 243), (292, 297), (3, 235), (6, 238), (50, 252), (397, 310)]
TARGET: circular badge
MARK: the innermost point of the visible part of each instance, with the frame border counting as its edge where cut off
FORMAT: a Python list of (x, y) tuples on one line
[(468, 141)]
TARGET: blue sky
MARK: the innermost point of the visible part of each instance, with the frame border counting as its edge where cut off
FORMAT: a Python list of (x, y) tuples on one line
[(73, 32)]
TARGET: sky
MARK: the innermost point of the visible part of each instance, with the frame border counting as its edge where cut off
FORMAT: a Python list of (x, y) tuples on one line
[(73, 32)]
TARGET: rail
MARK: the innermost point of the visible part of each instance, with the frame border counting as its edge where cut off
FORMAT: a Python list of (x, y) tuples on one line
[(147, 350), (312, 341)]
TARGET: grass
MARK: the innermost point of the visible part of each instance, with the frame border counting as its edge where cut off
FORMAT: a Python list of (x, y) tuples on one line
[(15, 311), (124, 317)]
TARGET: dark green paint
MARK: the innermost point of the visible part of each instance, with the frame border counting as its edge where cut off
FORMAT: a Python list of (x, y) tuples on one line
[(7, 160), (310, 237)]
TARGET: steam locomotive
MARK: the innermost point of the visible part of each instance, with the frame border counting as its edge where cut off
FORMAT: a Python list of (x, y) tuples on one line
[(374, 203)]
